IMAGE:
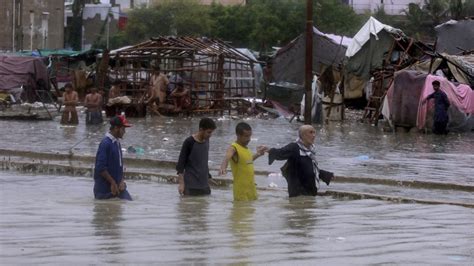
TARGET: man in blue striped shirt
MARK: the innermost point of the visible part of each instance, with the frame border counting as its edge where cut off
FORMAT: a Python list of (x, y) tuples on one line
[(108, 174)]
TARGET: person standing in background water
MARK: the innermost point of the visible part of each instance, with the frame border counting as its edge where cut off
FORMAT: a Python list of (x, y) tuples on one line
[(440, 116), (93, 102), (70, 99)]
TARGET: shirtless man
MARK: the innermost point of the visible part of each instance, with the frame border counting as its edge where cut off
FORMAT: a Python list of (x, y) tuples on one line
[(114, 91), (93, 103), (69, 116), (159, 83)]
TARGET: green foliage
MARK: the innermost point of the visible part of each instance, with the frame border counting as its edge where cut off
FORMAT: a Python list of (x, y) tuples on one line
[(260, 24), (332, 16), (420, 21)]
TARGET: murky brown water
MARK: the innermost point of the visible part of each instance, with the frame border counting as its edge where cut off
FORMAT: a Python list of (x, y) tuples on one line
[(348, 149), (54, 219)]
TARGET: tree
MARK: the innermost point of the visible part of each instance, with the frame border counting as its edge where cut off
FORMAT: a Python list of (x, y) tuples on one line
[(75, 32), (260, 24)]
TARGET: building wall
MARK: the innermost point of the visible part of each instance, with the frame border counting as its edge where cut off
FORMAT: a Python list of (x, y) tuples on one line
[(94, 21), (126, 4), (208, 2), (39, 24), (224, 2), (391, 7)]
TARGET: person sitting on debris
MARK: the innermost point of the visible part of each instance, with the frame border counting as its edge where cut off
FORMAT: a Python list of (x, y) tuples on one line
[(93, 103), (108, 172), (69, 116), (241, 162), (440, 117), (174, 80), (301, 169), (181, 98), (114, 91), (192, 166), (159, 83)]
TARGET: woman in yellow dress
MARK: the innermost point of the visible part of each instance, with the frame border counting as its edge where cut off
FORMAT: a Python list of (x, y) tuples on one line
[(241, 162)]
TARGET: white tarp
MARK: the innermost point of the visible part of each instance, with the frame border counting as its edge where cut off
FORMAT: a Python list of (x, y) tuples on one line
[(337, 39), (372, 26)]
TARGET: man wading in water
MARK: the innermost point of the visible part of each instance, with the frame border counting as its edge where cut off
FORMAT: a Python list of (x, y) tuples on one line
[(108, 173), (301, 170), (192, 167)]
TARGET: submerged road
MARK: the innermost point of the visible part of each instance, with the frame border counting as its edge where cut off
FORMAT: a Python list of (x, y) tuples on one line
[(51, 217)]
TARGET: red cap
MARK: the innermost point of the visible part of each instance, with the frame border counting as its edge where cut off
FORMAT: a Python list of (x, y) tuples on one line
[(119, 121)]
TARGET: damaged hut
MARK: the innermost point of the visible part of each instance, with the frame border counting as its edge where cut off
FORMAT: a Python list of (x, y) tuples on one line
[(287, 67), (454, 37), (376, 52), (403, 105), (215, 73)]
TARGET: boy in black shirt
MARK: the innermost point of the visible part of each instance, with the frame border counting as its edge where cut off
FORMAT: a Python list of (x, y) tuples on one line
[(192, 167)]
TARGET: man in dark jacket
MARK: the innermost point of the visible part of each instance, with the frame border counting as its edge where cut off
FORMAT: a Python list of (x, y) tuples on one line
[(301, 170), (440, 117), (108, 173)]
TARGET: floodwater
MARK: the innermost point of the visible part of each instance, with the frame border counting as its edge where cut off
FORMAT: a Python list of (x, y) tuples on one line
[(348, 149), (54, 219)]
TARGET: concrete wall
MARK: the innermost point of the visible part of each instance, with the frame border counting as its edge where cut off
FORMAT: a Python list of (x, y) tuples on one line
[(208, 2), (391, 7), (93, 19), (39, 24)]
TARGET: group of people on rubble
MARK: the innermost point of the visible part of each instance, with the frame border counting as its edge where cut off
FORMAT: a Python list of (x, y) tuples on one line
[(159, 89), (301, 169)]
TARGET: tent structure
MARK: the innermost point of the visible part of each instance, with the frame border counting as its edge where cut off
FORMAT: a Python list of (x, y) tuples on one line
[(213, 70), (377, 51), (23, 71), (461, 67), (328, 50), (455, 37), (403, 105)]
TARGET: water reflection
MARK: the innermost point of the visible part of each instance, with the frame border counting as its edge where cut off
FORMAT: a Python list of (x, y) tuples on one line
[(301, 222), (193, 228), (69, 132), (107, 216), (242, 224)]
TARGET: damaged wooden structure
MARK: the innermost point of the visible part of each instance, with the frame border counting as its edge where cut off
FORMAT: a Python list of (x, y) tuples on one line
[(379, 52), (214, 72)]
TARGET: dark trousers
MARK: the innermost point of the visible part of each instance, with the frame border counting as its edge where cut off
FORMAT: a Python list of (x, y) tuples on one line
[(123, 195), (197, 191), (439, 127)]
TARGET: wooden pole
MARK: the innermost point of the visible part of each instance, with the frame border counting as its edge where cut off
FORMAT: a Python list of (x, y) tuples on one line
[(308, 62)]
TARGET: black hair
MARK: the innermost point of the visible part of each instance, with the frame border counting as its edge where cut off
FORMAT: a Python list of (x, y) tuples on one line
[(435, 82), (241, 127), (68, 85), (207, 123)]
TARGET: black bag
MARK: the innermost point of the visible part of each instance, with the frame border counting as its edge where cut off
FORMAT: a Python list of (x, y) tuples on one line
[(284, 170), (326, 176)]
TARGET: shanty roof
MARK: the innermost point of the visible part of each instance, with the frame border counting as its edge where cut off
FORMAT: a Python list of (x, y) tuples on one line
[(455, 37), (371, 27), (183, 47), (328, 50)]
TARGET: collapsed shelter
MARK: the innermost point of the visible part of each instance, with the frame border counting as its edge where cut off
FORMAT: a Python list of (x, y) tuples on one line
[(214, 72)]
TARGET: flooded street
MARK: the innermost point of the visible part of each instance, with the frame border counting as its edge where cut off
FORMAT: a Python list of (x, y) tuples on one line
[(348, 149), (54, 218)]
